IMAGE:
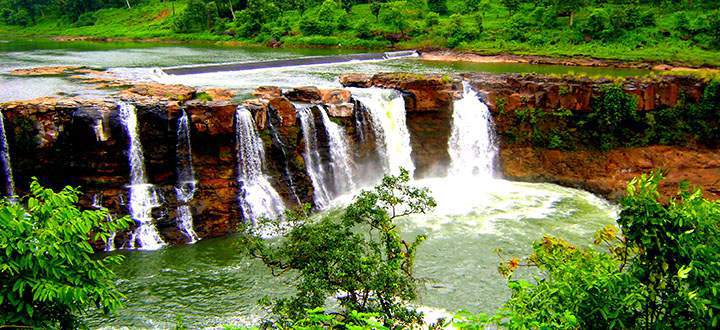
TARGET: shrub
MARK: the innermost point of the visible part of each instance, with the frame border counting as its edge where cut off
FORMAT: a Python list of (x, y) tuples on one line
[(48, 273), (614, 119), (323, 20), (358, 255)]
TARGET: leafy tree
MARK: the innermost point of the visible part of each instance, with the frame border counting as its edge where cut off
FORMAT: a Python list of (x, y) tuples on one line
[(438, 6), (324, 20), (393, 14), (48, 273), (375, 9), (358, 255), (512, 5), (569, 7)]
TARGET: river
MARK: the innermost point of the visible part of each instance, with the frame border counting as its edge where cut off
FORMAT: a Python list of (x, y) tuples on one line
[(209, 283)]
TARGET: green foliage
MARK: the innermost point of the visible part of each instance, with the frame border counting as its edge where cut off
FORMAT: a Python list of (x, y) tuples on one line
[(614, 118), (660, 31), (324, 20), (358, 257), (198, 16), (48, 273), (660, 271)]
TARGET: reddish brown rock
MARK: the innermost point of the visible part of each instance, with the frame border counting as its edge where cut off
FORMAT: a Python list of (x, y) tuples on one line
[(335, 96), (422, 92), (341, 110), (45, 71), (306, 94), (285, 109), (607, 173), (219, 94), (160, 91), (212, 117), (267, 92)]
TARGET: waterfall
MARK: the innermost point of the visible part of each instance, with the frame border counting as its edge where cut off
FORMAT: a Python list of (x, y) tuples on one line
[(313, 163), (340, 159), (387, 111), (472, 145), (280, 149), (143, 196), (97, 205), (5, 158), (257, 197), (185, 186), (330, 177)]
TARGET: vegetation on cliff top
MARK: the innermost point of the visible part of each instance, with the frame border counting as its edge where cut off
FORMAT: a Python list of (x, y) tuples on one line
[(615, 123), (654, 30)]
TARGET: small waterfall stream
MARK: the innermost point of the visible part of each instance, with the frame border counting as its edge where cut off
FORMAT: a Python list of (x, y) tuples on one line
[(340, 159), (333, 177), (472, 145), (143, 196), (257, 197), (185, 186), (316, 169), (5, 159), (387, 111)]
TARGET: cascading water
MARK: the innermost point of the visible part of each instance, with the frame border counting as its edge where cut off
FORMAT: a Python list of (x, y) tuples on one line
[(96, 204), (340, 179), (257, 197), (472, 146), (5, 158), (185, 186), (387, 111), (143, 196), (313, 162), (340, 160), (280, 148)]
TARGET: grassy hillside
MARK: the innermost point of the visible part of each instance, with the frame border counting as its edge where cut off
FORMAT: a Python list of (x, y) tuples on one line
[(670, 34)]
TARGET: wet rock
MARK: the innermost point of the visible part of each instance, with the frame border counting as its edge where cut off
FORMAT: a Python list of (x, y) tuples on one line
[(219, 94), (267, 92), (285, 109), (212, 117), (307, 94), (46, 71), (341, 110), (335, 96), (159, 91), (607, 173), (421, 92)]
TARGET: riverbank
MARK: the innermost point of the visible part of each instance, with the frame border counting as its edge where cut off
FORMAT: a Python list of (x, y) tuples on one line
[(153, 22)]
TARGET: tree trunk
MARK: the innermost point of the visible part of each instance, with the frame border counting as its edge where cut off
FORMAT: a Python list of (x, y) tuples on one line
[(128, 3), (572, 17), (232, 11)]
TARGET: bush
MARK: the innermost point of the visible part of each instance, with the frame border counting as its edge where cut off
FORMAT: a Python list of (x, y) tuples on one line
[(324, 20), (614, 120), (86, 19), (48, 273), (197, 17), (358, 257)]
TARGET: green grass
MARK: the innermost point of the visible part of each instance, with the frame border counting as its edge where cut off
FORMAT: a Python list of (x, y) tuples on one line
[(649, 44)]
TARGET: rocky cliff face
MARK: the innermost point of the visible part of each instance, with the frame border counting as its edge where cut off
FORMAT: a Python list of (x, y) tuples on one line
[(82, 142)]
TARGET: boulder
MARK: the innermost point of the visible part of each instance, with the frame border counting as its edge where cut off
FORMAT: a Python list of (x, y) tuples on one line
[(307, 94), (159, 91), (286, 110), (341, 110), (335, 96), (267, 92), (212, 117)]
